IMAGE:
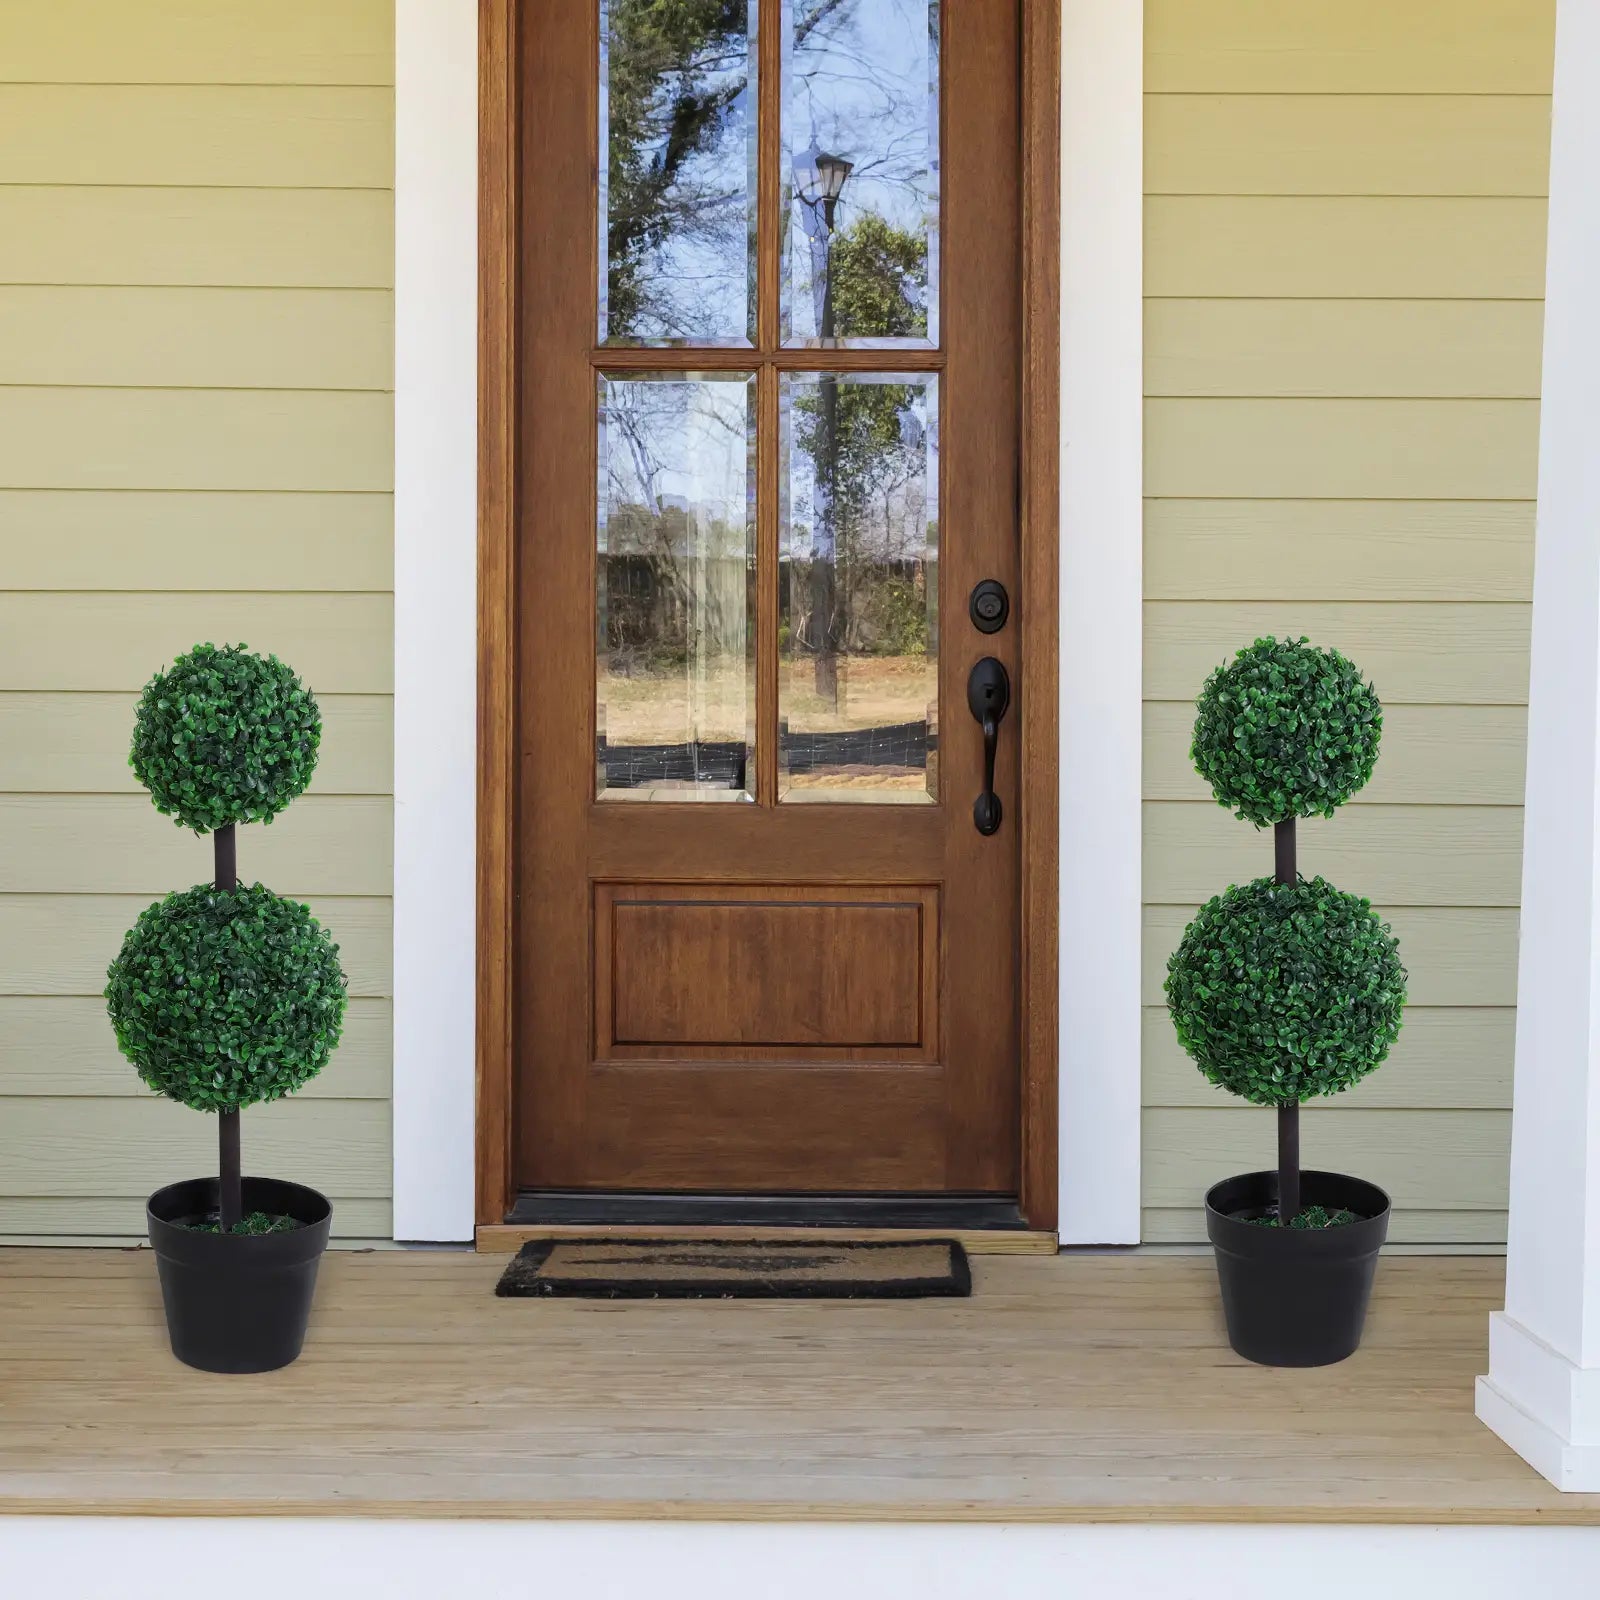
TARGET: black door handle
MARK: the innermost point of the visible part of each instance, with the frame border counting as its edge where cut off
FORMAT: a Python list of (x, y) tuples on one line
[(988, 696)]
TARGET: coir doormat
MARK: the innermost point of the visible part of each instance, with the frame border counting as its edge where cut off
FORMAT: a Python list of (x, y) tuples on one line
[(737, 1269)]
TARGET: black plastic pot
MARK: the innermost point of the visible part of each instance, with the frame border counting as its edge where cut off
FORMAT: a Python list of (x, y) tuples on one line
[(237, 1302), (1295, 1297)]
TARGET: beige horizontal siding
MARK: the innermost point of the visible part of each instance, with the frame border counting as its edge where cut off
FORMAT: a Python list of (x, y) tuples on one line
[(1446, 1058), (133, 541), (1360, 144), (61, 944), (230, 238), (1434, 654), (63, 1046), (1424, 1230), (204, 135), (1350, 247), (338, 643), (177, 338), (1349, 46), (1455, 955), (1430, 756), (1340, 449), (1344, 263), (78, 744), (1342, 349), (67, 1147), (67, 438), (1319, 550), (1443, 1160), (196, 443), (83, 1219), (210, 42), (120, 844), (1450, 855)]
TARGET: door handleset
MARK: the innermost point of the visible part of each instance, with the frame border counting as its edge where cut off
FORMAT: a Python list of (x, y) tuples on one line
[(988, 696)]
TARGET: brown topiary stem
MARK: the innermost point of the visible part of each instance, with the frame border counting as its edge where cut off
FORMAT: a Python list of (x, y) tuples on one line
[(1283, 847), (230, 1196)]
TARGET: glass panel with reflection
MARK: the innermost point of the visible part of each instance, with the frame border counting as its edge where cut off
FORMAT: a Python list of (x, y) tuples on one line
[(677, 185), (858, 587), (861, 172), (675, 614)]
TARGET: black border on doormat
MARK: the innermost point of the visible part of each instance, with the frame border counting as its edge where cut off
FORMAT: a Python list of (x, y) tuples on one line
[(523, 1277)]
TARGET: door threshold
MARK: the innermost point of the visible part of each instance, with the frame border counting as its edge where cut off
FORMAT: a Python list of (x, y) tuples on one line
[(984, 1224)]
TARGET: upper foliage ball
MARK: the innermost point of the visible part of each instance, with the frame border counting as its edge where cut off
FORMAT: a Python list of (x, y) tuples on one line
[(225, 736), (1286, 730), (1285, 991), (223, 998)]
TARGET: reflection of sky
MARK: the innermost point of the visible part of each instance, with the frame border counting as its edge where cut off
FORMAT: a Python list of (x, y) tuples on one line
[(699, 272), (862, 85), (677, 442)]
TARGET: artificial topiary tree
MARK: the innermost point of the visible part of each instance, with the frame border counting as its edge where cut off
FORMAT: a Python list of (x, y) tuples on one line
[(1283, 989), (226, 995)]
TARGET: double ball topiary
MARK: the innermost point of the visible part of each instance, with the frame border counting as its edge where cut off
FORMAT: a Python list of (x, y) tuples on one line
[(225, 998), (1285, 991), (1286, 730), (224, 736)]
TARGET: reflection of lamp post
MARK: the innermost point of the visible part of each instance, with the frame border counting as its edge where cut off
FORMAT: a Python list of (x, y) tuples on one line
[(819, 181)]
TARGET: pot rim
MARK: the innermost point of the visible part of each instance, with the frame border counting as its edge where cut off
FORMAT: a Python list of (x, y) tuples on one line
[(167, 1210), (1236, 1234)]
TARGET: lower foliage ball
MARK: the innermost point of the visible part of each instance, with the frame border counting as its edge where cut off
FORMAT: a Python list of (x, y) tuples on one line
[(1285, 991), (225, 998)]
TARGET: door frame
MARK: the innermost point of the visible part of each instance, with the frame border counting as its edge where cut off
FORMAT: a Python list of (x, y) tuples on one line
[(1038, 609)]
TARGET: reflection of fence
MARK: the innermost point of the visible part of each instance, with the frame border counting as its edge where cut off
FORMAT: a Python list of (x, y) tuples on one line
[(662, 608), (904, 745)]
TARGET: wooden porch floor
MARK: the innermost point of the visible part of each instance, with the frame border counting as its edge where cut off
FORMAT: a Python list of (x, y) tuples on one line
[(1090, 1388)]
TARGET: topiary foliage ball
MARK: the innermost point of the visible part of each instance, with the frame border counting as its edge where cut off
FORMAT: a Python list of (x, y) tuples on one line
[(226, 997), (1286, 730), (1285, 991), (225, 736)]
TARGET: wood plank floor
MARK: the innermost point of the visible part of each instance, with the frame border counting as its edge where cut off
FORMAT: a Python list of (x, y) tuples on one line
[(1091, 1388)]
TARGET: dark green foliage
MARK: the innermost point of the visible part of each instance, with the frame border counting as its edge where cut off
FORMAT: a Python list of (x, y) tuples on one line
[(258, 1222), (880, 280), (1313, 1217), (224, 736), (223, 999), (1281, 992), (1286, 730)]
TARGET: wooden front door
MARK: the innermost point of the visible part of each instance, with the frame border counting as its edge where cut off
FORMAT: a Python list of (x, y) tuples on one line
[(769, 314)]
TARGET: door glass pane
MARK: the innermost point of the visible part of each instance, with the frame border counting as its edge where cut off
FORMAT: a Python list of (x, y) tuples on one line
[(677, 175), (675, 613), (861, 172), (858, 587)]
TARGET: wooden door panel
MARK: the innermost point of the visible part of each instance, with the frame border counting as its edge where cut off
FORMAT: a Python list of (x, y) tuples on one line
[(793, 990), (885, 1131), (769, 972)]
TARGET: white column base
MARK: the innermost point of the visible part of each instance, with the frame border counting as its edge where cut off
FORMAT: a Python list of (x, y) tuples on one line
[(1544, 1407)]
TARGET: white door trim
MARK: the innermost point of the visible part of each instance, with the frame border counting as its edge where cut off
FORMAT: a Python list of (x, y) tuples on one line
[(436, 640), (435, 614), (1102, 585)]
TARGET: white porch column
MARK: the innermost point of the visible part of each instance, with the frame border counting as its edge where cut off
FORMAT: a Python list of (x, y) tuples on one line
[(1542, 1394)]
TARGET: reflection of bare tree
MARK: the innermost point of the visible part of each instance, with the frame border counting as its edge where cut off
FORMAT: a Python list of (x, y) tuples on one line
[(675, 547), (678, 124), (884, 526)]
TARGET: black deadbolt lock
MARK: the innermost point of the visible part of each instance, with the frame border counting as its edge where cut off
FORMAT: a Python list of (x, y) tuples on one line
[(989, 606)]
